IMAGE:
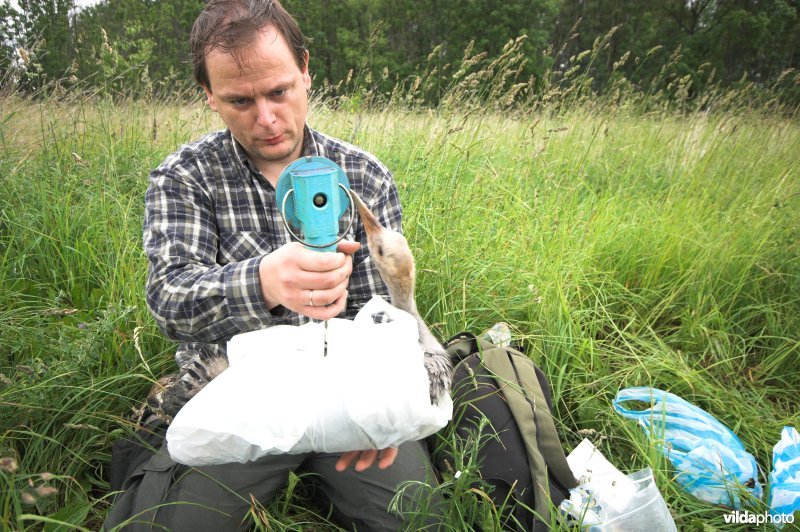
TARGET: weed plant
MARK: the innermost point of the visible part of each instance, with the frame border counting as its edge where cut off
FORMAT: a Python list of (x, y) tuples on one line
[(630, 237)]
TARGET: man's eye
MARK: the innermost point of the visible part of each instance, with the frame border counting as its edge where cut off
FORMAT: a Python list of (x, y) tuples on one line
[(239, 102), (279, 92)]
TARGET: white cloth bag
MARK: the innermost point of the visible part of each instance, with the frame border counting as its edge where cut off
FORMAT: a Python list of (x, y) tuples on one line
[(283, 394)]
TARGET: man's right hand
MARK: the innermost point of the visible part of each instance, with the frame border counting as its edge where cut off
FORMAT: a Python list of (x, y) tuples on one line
[(307, 281)]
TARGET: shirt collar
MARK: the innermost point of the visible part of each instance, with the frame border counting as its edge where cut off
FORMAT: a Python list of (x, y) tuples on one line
[(310, 147), (241, 155)]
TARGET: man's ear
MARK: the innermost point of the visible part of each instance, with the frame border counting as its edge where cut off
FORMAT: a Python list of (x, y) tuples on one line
[(212, 103), (306, 75)]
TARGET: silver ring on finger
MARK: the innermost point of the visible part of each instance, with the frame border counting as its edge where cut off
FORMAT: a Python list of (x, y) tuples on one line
[(310, 298)]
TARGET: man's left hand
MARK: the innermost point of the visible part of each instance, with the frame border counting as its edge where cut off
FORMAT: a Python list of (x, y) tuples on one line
[(365, 459)]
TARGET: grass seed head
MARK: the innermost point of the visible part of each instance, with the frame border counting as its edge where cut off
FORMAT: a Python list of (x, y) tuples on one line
[(8, 464)]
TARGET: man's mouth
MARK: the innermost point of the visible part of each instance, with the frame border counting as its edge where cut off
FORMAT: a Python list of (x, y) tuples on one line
[(277, 139)]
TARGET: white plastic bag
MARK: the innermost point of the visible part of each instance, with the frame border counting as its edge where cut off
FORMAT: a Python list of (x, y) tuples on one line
[(607, 500), (284, 394)]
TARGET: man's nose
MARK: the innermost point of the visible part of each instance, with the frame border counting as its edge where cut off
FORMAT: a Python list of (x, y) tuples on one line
[(266, 115)]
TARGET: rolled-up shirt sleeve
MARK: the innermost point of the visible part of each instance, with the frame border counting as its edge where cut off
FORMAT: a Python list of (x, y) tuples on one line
[(190, 295)]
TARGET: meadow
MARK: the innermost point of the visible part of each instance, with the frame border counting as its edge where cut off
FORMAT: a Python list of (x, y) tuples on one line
[(624, 246)]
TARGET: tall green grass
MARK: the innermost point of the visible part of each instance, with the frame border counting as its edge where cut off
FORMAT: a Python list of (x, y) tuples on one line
[(625, 244)]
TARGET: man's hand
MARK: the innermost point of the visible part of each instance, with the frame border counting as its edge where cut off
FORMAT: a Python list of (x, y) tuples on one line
[(366, 458), (306, 281)]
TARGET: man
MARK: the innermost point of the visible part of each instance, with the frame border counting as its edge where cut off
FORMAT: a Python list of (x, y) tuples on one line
[(221, 263)]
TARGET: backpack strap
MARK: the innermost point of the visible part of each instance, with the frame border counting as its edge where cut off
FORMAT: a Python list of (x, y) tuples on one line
[(516, 377)]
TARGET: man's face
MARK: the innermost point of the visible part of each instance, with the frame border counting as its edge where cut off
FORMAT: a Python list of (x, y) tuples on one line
[(263, 100)]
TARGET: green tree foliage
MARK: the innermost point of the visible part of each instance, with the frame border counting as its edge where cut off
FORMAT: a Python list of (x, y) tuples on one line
[(393, 40), (338, 35), (132, 47), (119, 38), (732, 39), (7, 50), (37, 39)]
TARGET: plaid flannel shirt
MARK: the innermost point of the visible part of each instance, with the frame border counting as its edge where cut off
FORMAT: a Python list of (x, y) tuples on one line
[(210, 216)]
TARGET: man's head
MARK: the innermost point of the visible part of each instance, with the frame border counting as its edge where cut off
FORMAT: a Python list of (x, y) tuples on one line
[(227, 26), (249, 58)]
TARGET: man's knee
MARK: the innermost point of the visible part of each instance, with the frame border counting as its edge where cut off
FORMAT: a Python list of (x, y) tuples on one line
[(376, 499), (164, 494)]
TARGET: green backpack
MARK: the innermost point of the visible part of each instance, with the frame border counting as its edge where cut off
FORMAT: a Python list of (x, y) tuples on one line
[(515, 375)]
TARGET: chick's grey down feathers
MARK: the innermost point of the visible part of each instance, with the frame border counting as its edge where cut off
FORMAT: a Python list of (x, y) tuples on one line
[(172, 392)]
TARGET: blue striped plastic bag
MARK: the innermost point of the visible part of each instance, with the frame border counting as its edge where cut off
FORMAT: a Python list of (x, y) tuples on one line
[(784, 480), (711, 462)]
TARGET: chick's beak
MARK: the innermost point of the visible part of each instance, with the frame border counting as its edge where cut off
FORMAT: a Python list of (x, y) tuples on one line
[(371, 224)]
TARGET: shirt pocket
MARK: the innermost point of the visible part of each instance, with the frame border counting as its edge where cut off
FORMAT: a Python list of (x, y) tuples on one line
[(243, 245)]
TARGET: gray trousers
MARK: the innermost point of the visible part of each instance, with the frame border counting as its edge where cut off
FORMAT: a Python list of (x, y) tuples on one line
[(164, 495)]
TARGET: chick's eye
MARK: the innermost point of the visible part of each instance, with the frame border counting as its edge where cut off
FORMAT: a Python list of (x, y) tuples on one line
[(380, 251)]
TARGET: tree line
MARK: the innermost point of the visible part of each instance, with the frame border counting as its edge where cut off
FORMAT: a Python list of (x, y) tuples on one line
[(139, 47)]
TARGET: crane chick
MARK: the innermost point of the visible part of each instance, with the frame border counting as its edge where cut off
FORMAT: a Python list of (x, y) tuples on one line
[(395, 263), (392, 256)]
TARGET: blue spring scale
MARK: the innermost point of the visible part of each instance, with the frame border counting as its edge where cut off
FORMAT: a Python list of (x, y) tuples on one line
[(313, 193)]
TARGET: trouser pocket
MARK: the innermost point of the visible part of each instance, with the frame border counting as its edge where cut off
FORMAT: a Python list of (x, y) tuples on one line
[(145, 494)]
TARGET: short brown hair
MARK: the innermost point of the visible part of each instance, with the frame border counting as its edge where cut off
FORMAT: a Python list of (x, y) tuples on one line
[(229, 25)]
